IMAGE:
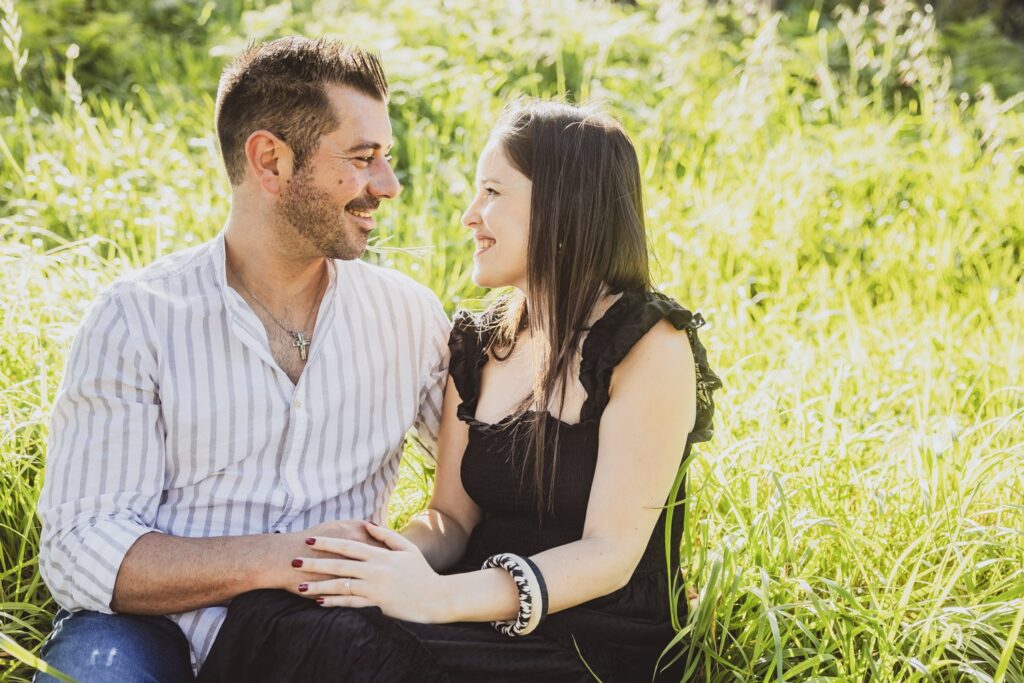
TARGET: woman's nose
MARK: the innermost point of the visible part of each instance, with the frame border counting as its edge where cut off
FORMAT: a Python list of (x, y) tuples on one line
[(470, 217)]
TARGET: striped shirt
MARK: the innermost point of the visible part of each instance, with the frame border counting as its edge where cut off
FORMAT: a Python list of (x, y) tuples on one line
[(174, 417)]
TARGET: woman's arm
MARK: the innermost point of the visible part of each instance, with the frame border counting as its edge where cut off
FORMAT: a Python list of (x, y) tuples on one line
[(442, 530), (643, 432), (651, 410)]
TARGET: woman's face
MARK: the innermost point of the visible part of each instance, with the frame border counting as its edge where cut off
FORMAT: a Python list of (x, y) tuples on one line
[(499, 217)]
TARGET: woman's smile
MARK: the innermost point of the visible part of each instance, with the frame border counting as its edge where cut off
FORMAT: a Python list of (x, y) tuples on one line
[(483, 244)]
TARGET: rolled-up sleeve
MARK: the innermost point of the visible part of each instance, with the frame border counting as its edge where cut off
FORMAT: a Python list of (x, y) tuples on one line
[(105, 459), (435, 375)]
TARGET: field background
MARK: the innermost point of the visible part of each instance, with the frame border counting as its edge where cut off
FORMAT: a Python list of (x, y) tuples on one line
[(839, 191)]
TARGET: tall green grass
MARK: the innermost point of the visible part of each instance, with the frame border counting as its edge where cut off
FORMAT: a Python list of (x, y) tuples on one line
[(851, 225)]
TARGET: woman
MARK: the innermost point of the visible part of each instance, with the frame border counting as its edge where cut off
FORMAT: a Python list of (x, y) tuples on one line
[(570, 405)]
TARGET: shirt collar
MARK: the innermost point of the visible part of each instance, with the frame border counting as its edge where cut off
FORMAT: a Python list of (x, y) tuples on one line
[(233, 299)]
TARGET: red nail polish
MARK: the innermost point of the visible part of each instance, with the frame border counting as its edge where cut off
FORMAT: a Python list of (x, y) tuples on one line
[(296, 563), (310, 541), (303, 587), (319, 601)]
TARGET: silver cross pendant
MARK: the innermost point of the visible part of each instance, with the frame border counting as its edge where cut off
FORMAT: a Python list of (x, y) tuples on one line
[(301, 343)]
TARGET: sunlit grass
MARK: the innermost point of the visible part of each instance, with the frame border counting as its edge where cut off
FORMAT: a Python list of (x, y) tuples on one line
[(855, 244)]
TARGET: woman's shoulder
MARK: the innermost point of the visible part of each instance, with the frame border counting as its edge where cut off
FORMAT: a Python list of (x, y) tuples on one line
[(630, 318), (467, 345), (650, 322), (646, 308), (472, 329)]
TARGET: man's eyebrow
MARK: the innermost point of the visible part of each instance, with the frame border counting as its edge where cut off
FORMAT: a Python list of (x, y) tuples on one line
[(367, 145)]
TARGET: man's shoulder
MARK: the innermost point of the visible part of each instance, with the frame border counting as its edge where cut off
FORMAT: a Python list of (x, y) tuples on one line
[(166, 273), (174, 265), (390, 282)]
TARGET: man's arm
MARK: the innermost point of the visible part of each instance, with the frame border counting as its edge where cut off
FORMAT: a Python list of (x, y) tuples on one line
[(164, 574), (105, 458)]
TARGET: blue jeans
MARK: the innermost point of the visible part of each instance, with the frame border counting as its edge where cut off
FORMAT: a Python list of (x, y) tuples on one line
[(90, 646)]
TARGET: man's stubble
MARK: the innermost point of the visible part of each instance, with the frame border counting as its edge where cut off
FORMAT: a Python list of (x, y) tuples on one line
[(313, 215)]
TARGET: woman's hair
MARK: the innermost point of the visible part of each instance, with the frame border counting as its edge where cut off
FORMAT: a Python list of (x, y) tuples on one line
[(586, 238)]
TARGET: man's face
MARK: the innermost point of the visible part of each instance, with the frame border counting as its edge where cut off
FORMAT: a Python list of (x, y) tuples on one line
[(330, 201)]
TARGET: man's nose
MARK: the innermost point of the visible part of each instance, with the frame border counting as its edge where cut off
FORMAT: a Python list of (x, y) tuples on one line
[(385, 183)]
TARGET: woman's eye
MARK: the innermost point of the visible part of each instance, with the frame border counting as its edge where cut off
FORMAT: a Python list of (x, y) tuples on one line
[(490, 191)]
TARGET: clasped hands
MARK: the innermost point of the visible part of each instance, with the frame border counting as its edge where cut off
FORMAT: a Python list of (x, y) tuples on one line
[(390, 573)]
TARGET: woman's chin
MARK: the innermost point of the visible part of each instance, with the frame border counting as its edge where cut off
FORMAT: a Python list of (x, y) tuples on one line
[(484, 280)]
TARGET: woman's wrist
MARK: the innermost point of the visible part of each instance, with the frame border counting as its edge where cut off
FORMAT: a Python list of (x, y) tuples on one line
[(446, 602), (483, 595)]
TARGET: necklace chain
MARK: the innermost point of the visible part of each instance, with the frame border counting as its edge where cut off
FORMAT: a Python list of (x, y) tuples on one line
[(299, 336)]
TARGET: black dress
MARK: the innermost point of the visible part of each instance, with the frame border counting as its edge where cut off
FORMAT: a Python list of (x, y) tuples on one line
[(273, 635)]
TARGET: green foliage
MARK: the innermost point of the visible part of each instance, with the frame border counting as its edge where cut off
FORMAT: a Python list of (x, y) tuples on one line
[(983, 39), (120, 42), (851, 225), (981, 54)]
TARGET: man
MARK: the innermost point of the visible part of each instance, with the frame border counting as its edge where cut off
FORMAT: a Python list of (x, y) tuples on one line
[(229, 401)]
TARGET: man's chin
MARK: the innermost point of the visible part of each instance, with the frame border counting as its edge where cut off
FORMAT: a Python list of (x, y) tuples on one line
[(347, 251)]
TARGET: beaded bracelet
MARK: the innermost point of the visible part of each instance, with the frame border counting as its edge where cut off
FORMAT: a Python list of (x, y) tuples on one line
[(532, 593)]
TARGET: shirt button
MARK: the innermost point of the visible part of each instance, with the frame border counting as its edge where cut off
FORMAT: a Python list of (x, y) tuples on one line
[(298, 405)]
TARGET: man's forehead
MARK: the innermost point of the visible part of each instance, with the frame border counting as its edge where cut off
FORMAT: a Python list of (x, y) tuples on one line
[(363, 121)]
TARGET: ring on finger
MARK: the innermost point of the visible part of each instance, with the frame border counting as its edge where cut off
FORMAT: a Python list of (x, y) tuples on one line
[(348, 585)]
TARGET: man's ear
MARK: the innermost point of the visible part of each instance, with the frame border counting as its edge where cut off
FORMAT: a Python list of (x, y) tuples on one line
[(269, 159)]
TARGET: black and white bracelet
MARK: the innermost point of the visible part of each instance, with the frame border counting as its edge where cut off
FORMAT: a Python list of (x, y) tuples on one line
[(533, 593), (542, 588)]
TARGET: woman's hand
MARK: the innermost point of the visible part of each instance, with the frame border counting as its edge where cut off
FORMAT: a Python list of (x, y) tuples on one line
[(395, 578)]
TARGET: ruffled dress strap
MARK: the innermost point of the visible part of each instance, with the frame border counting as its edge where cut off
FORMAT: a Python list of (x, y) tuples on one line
[(468, 348), (622, 326)]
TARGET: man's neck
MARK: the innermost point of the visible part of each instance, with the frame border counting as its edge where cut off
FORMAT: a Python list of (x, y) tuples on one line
[(279, 280)]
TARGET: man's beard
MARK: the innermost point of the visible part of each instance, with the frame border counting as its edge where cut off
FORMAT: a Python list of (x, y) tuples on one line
[(312, 214)]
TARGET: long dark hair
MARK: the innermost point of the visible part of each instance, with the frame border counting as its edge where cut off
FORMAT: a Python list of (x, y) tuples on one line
[(587, 237)]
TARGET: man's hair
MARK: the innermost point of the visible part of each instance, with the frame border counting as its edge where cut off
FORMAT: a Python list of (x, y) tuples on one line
[(280, 87)]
